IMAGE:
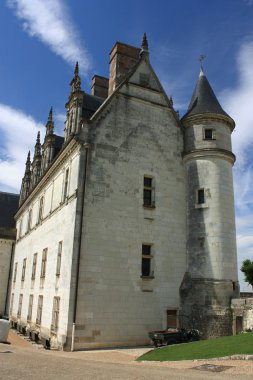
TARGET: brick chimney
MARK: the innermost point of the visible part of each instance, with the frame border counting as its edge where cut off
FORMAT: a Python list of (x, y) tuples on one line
[(99, 86), (122, 59)]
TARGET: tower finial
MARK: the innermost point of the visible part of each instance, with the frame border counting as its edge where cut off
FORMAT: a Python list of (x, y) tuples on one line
[(28, 164), (50, 123), (201, 59), (50, 115), (144, 45), (77, 68), (37, 148), (76, 81)]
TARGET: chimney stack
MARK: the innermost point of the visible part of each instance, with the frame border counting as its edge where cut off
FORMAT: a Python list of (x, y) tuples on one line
[(99, 86), (122, 58)]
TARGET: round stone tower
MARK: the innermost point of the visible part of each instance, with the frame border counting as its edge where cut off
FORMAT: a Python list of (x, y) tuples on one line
[(211, 278)]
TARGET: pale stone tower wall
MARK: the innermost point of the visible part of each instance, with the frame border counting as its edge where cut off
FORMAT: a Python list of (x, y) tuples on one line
[(211, 277), (140, 136)]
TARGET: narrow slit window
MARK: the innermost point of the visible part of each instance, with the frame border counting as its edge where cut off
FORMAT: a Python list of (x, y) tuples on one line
[(146, 267), (66, 181), (34, 266), (23, 271), (15, 272), (20, 305), (55, 314), (39, 310), (30, 308), (58, 264), (148, 192), (209, 134), (41, 206), (43, 263), (201, 196)]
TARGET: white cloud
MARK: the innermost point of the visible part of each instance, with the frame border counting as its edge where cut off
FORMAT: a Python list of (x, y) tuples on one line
[(19, 133), (49, 21), (238, 103)]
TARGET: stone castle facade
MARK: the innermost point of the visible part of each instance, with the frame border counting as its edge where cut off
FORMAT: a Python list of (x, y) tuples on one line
[(127, 224)]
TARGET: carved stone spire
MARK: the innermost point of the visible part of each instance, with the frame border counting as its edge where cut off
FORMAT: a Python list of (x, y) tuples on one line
[(74, 106), (49, 143), (36, 165), (37, 149), (28, 164), (26, 181), (76, 81), (50, 123), (144, 46)]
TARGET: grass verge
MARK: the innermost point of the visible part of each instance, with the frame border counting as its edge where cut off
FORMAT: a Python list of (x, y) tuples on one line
[(204, 349)]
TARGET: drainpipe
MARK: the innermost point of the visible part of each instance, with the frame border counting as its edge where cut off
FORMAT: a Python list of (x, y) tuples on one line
[(86, 147), (9, 280)]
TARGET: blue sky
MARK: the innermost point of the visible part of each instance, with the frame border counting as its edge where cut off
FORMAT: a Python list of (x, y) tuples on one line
[(42, 39)]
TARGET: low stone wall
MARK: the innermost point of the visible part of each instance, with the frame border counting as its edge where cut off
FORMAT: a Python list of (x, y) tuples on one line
[(242, 311)]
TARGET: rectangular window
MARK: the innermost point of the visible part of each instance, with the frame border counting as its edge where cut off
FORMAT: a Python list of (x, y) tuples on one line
[(58, 264), (41, 206), (23, 270), (209, 134), (148, 192), (65, 187), (20, 228), (30, 308), (29, 220), (34, 266), (20, 301), (11, 304), (55, 315), (201, 196), (39, 310), (146, 261), (144, 79), (43, 263), (15, 272)]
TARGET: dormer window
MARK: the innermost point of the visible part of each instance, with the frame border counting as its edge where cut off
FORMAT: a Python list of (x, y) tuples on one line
[(144, 79), (209, 134)]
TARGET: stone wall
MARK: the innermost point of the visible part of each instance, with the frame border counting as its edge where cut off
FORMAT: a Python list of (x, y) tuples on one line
[(117, 306), (242, 311), (6, 250), (56, 225)]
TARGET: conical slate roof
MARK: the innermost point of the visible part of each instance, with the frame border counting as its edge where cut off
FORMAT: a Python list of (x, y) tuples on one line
[(203, 99)]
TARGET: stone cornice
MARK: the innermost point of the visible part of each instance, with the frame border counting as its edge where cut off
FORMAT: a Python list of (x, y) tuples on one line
[(191, 120), (209, 152), (56, 164)]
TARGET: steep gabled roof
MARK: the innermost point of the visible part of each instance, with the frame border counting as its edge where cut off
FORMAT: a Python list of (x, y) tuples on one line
[(90, 104), (8, 208), (204, 99), (126, 79)]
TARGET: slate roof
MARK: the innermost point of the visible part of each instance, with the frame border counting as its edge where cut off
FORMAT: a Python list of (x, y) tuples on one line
[(204, 100), (8, 208), (90, 104), (59, 140)]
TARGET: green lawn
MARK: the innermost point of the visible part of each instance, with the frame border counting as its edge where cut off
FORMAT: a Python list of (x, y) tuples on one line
[(204, 349)]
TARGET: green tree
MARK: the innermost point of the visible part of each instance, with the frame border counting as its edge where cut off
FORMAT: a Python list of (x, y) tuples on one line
[(247, 269)]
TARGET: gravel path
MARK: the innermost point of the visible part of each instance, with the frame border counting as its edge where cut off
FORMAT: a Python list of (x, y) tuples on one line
[(128, 356)]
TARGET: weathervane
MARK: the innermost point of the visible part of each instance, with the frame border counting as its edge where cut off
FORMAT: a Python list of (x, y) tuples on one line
[(201, 59)]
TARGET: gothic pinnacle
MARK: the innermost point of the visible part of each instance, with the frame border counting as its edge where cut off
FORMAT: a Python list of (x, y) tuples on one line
[(28, 160), (50, 123), (28, 164), (76, 69), (76, 81), (50, 115), (37, 150), (144, 45)]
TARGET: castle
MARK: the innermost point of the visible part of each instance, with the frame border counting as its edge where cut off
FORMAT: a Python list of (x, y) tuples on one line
[(127, 224)]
